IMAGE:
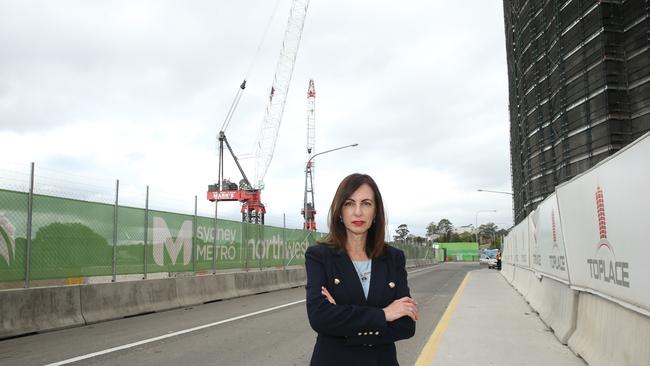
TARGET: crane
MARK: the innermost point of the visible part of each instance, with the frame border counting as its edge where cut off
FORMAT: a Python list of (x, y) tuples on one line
[(309, 210), (253, 210)]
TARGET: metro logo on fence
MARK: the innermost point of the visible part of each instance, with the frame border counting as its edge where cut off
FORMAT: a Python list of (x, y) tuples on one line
[(162, 239), (7, 239)]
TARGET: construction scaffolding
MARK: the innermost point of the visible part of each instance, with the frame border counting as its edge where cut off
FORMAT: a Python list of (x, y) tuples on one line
[(579, 88)]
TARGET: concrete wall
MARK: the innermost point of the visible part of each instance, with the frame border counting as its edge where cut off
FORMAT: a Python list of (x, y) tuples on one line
[(31, 310), (522, 279), (609, 334), (558, 307), (600, 331), (410, 263), (106, 301)]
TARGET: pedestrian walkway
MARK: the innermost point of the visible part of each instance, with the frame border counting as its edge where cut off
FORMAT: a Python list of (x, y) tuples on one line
[(489, 323)]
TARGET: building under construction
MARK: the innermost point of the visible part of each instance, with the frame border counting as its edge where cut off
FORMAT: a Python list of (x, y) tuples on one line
[(579, 85)]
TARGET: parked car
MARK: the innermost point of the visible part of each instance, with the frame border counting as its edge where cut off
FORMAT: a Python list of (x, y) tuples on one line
[(483, 260)]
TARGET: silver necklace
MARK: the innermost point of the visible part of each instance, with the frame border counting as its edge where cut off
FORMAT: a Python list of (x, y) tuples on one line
[(363, 275)]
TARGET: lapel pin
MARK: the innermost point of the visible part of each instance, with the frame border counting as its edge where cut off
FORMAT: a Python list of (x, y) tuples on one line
[(391, 284), (337, 281)]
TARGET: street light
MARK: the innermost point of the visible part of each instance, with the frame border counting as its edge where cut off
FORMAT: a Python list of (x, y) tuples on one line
[(487, 190), (501, 192), (476, 223), (309, 216)]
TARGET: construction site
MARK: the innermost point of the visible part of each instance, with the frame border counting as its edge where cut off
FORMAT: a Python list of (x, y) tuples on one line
[(248, 193)]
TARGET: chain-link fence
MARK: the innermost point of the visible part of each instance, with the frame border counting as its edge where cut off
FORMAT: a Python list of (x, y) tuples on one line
[(58, 229)]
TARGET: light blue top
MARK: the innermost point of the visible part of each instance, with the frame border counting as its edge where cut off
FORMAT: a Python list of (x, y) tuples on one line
[(364, 268)]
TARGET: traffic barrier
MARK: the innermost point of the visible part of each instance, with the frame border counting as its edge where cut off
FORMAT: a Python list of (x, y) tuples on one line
[(534, 297), (255, 282), (608, 334), (411, 263), (296, 278), (37, 309), (511, 273), (106, 301), (507, 270), (558, 307), (522, 280), (201, 289)]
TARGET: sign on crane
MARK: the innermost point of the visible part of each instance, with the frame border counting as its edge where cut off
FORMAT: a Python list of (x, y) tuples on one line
[(253, 210)]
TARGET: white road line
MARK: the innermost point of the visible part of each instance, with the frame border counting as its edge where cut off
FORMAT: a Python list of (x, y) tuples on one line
[(424, 269), (145, 341), (180, 332)]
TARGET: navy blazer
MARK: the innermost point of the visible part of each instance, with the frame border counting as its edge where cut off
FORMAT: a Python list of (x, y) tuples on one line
[(354, 331)]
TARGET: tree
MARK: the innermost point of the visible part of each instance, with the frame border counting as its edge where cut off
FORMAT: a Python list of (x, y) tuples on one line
[(416, 239), (487, 230), (401, 233), (445, 227), (501, 233), (466, 237), (432, 229)]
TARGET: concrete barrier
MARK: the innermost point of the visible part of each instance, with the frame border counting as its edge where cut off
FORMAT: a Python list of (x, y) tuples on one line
[(37, 309), (609, 334), (558, 307), (201, 289), (106, 301), (522, 279), (535, 295), (296, 278), (507, 270), (411, 263), (511, 273), (255, 282)]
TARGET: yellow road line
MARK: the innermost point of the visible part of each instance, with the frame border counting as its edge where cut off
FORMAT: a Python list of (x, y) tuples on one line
[(429, 350)]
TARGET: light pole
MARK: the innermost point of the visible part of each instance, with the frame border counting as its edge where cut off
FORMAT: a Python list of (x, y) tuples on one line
[(310, 214), (487, 190), (501, 192), (476, 223)]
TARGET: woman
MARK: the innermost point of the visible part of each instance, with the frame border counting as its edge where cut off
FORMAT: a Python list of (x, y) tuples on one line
[(358, 299)]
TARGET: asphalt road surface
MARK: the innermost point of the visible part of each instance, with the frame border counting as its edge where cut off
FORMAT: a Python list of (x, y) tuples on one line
[(264, 329)]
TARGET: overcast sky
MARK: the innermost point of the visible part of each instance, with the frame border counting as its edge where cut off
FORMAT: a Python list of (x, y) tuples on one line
[(94, 91)]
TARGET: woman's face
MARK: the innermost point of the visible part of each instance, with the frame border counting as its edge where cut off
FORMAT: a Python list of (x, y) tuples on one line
[(358, 211)]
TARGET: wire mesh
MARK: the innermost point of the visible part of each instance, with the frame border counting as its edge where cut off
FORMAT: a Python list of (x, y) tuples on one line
[(76, 237)]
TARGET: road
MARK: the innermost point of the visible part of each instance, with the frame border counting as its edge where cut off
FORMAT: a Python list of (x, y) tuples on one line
[(228, 333)]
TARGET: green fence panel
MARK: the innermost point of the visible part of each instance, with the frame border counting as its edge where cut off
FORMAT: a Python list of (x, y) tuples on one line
[(466, 252), (13, 229), (130, 241), (70, 238)]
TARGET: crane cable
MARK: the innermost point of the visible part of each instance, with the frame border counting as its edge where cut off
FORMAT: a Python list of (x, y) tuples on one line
[(235, 102)]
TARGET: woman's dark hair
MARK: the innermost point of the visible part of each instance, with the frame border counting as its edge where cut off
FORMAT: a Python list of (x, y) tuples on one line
[(337, 236)]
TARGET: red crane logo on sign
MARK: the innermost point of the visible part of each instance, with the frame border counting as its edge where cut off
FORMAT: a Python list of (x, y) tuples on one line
[(602, 220), (553, 229)]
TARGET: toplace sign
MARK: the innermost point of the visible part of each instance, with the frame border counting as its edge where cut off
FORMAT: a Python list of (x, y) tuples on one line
[(604, 266)]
